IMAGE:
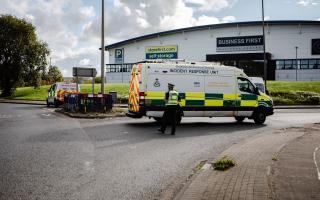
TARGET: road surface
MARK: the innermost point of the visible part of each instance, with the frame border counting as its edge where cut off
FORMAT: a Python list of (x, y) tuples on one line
[(45, 155)]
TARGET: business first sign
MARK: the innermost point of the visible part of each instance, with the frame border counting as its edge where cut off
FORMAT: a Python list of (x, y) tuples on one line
[(241, 43), (162, 52)]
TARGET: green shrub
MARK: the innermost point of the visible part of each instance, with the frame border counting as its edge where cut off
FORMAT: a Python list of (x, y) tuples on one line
[(223, 163)]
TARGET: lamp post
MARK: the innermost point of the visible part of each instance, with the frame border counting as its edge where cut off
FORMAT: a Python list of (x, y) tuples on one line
[(296, 63), (264, 48), (102, 49)]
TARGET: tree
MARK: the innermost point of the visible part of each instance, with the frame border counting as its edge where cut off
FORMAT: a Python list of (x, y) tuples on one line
[(22, 55), (54, 75)]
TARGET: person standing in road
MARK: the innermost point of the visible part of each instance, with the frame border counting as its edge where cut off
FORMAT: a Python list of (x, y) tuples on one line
[(172, 110)]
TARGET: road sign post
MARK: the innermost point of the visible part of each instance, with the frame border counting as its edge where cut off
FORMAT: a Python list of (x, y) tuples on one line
[(84, 72)]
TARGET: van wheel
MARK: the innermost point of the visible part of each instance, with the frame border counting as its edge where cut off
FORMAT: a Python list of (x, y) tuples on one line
[(239, 119), (56, 103), (259, 117)]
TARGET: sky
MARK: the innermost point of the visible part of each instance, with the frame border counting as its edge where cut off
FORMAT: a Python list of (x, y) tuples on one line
[(72, 28)]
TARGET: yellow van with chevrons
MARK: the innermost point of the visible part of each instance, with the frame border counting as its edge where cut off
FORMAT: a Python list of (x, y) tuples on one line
[(206, 90)]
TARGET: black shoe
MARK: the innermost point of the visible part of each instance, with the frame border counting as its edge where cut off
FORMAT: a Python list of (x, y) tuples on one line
[(172, 133), (161, 130)]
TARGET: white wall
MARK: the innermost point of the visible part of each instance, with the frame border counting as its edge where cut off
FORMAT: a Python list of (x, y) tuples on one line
[(303, 75), (195, 45)]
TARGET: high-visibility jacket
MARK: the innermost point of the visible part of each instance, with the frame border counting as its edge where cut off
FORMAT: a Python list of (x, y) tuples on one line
[(173, 98)]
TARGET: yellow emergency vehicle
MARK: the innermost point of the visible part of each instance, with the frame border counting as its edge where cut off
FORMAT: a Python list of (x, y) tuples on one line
[(206, 90), (58, 90)]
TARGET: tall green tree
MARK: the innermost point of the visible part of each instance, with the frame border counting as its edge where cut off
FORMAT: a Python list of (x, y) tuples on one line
[(22, 54), (54, 74)]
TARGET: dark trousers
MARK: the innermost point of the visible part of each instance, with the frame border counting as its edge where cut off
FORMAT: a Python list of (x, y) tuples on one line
[(170, 117)]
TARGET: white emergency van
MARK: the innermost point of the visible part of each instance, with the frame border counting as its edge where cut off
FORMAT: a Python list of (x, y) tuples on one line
[(206, 90), (58, 90)]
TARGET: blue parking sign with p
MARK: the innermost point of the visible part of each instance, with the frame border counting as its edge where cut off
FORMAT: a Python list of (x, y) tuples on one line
[(118, 55)]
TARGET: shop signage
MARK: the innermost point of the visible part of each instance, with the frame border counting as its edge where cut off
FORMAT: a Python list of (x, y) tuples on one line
[(240, 43), (315, 46), (118, 55), (162, 52)]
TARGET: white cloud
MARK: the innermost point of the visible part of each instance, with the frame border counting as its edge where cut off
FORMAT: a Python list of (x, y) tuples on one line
[(84, 62), (267, 18), (58, 23), (87, 11), (308, 2), (209, 5), (29, 17), (204, 20), (127, 11), (143, 5), (143, 23), (227, 19), (72, 29)]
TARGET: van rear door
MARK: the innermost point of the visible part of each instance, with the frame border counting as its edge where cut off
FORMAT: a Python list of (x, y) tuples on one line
[(135, 88)]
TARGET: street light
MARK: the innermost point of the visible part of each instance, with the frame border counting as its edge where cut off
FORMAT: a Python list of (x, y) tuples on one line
[(264, 48), (102, 48), (296, 63)]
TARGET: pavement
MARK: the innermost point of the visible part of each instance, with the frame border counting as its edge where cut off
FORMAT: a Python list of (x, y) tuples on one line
[(282, 164), (46, 155)]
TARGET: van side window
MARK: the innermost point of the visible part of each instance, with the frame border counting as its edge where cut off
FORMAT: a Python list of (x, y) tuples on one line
[(245, 85)]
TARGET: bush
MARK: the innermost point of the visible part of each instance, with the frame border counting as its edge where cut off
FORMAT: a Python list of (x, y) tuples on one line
[(298, 97), (223, 163)]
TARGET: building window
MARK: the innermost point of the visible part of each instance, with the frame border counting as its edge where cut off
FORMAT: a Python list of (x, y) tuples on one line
[(118, 68), (288, 64), (313, 64), (318, 64), (304, 64), (280, 64)]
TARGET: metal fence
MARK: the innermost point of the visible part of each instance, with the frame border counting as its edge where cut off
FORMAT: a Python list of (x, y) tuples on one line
[(88, 102)]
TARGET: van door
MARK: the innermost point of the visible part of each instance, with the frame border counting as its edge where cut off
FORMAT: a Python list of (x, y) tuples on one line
[(134, 89), (248, 97), (220, 98), (51, 94)]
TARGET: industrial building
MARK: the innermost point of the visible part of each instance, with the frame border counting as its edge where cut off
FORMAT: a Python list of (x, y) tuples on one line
[(292, 49)]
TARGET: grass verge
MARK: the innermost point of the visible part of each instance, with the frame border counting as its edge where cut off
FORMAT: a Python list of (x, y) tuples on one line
[(40, 94), (294, 93), (223, 163)]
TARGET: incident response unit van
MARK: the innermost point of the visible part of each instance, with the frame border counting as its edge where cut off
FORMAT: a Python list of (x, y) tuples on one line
[(206, 90), (58, 90)]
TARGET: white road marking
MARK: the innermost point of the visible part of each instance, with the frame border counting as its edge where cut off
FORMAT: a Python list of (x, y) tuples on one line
[(315, 161), (47, 115), (4, 116)]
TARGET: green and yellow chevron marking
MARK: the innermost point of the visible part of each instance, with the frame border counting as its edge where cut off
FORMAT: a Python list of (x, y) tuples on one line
[(209, 99)]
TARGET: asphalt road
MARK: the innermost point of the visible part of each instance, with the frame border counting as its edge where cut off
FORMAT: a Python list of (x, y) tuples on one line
[(44, 155)]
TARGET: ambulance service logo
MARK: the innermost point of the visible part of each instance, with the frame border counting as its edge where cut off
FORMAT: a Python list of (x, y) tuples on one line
[(156, 83)]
